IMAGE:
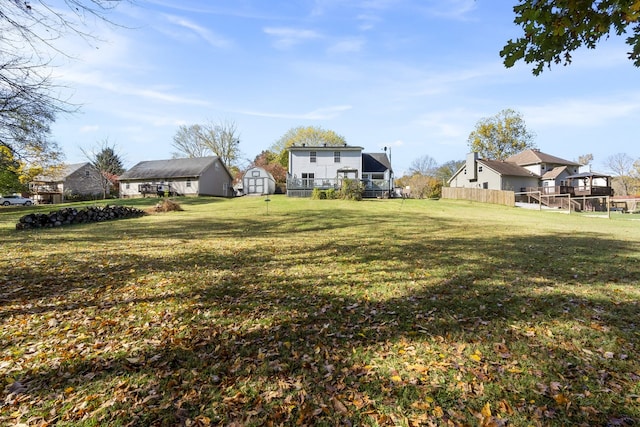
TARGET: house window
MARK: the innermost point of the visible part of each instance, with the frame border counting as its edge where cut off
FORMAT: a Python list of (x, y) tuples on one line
[(126, 186), (485, 185), (336, 157), (255, 173), (312, 156), (377, 176), (87, 173), (308, 179), (188, 182)]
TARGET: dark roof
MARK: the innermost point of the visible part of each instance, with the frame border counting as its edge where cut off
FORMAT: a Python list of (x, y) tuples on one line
[(375, 162), (61, 174), (324, 148), (589, 175), (173, 168), (506, 168), (533, 157)]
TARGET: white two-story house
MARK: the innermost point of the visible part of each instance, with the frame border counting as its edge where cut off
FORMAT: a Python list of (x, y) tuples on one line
[(321, 167), (327, 166)]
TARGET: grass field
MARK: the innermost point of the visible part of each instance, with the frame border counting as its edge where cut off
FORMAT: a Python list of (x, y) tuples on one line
[(380, 312)]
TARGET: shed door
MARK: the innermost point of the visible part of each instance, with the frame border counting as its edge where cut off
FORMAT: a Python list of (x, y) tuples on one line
[(256, 185)]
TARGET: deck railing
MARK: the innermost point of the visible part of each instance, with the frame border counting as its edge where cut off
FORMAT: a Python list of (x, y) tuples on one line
[(324, 183), (44, 189), (593, 190), (310, 183)]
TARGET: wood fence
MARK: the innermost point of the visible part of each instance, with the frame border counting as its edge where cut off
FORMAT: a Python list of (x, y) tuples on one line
[(497, 197)]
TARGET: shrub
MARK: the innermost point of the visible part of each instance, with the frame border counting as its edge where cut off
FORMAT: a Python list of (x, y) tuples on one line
[(331, 193), (318, 194), (351, 189)]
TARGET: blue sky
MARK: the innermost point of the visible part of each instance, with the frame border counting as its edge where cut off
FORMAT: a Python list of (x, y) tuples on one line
[(413, 75)]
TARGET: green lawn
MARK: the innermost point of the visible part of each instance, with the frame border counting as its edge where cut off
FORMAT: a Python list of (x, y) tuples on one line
[(380, 312)]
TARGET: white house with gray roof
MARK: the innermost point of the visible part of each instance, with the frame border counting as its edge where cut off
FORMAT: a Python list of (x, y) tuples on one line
[(327, 166), (527, 171), (199, 176)]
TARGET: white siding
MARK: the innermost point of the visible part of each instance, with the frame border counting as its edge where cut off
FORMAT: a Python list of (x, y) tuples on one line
[(325, 165), (258, 181)]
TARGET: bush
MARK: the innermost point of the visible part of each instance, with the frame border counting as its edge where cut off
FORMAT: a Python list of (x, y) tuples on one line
[(318, 194), (351, 189), (331, 193)]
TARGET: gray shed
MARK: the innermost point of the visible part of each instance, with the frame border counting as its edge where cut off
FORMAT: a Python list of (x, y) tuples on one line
[(257, 181)]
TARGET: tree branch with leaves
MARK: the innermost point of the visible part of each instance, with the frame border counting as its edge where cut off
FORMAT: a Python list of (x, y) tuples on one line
[(29, 31), (553, 29)]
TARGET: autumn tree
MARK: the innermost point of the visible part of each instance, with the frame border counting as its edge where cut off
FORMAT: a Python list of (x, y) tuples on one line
[(214, 138), (425, 178), (9, 173), (307, 135), (445, 171), (553, 29), (500, 136), (268, 160), (108, 163), (29, 34)]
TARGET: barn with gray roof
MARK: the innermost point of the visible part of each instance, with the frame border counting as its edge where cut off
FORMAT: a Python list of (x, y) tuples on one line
[(199, 176)]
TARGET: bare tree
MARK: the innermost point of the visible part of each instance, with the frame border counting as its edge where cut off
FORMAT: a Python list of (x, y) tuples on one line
[(108, 164), (188, 143), (425, 165), (621, 166), (221, 139), (28, 103), (26, 112)]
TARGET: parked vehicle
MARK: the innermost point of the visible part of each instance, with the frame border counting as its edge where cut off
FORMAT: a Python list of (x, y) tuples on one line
[(14, 199)]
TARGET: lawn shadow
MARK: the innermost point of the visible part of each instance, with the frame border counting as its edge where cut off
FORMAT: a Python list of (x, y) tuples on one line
[(281, 340)]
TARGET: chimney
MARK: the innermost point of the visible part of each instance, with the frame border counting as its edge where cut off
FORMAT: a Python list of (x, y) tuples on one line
[(471, 166)]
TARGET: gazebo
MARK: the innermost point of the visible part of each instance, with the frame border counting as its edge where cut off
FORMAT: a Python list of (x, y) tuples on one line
[(589, 184)]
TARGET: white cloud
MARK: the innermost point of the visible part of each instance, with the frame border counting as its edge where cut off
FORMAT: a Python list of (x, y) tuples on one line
[(325, 113), (451, 9), (204, 33), (98, 80), (89, 128), (448, 125), (368, 21), (581, 112), (347, 46), (286, 38)]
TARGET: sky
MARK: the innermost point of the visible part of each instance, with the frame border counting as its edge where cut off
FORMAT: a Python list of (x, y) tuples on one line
[(415, 76)]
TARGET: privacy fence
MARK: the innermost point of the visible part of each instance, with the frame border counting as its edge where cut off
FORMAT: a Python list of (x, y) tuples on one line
[(497, 197)]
